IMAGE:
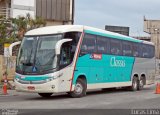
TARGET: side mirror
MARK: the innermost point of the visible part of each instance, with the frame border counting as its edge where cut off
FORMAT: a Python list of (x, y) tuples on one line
[(59, 44)]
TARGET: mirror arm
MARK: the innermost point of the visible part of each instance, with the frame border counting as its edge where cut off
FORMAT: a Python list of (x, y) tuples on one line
[(59, 44)]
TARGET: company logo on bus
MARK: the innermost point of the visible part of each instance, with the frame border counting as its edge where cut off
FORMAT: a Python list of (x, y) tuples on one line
[(96, 56), (117, 63)]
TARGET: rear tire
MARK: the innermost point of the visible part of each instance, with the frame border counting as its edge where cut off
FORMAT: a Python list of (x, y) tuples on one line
[(45, 94), (80, 89), (135, 83), (141, 83)]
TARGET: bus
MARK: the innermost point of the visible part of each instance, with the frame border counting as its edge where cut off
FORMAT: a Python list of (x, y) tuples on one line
[(76, 58)]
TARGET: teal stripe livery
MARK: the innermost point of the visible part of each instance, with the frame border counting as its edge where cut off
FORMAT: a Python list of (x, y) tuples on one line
[(109, 69), (113, 36), (32, 78)]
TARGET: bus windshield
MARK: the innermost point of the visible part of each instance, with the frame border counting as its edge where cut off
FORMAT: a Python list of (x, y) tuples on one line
[(37, 54)]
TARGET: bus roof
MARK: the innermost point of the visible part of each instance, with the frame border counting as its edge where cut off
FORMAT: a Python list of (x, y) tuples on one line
[(80, 28), (55, 29)]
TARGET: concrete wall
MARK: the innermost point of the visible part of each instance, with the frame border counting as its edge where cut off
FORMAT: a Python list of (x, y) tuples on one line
[(55, 12), (153, 28), (2, 4), (11, 67), (22, 8)]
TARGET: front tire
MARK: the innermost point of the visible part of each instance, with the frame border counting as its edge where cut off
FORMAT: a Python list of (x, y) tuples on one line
[(45, 94), (80, 89)]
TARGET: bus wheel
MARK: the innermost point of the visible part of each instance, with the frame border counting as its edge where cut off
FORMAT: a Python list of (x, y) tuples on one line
[(79, 89), (141, 83), (134, 86), (45, 94)]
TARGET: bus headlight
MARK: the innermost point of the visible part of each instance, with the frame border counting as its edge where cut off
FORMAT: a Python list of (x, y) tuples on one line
[(16, 79), (54, 76), (47, 80), (50, 79)]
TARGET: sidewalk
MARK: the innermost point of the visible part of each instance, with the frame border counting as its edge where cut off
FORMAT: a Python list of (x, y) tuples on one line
[(13, 93), (10, 93)]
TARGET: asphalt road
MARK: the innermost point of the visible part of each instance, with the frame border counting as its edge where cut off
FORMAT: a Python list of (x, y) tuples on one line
[(95, 101)]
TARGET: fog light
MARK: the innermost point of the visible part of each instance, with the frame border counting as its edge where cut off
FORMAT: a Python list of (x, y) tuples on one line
[(47, 80), (53, 86)]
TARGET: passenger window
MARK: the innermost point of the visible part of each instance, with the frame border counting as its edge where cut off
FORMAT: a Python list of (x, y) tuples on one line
[(136, 50), (102, 44), (65, 57), (151, 51), (75, 36), (115, 47), (148, 51), (127, 49), (88, 44), (145, 52)]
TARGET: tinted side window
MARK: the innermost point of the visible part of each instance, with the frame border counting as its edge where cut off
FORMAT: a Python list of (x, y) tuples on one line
[(88, 44), (145, 52), (151, 51), (136, 50), (102, 45), (127, 48), (115, 47)]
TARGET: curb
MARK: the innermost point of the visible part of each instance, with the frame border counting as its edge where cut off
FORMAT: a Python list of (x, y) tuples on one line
[(8, 94), (2, 95)]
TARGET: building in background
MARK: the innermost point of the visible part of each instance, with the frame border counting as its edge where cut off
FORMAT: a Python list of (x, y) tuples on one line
[(152, 27), (55, 12), (145, 38), (5, 6), (21, 8), (118, 29)]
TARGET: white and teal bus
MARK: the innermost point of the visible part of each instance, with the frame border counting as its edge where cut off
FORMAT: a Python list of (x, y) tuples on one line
[(74, 59)]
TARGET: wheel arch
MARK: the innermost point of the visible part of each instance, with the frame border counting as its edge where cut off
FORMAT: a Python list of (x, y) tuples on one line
[(135, 75), (83, 77)]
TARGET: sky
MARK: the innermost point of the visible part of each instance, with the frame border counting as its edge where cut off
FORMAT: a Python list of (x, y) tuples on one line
[(130, 13)]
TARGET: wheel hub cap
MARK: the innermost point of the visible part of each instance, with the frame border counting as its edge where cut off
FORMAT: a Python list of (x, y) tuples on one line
[(78, 88)]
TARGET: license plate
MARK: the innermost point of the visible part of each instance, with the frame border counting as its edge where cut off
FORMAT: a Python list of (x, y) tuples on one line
[(31, 88)]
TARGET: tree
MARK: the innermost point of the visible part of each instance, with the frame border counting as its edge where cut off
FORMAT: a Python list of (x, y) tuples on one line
[(13, 29), (23, 24), (5, 33)]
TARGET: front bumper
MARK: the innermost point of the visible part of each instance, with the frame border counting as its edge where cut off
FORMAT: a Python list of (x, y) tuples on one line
[(49, 87)]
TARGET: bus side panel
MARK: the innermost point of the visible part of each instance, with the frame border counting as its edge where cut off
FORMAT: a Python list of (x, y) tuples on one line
[(108, 69), (145, 66)]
